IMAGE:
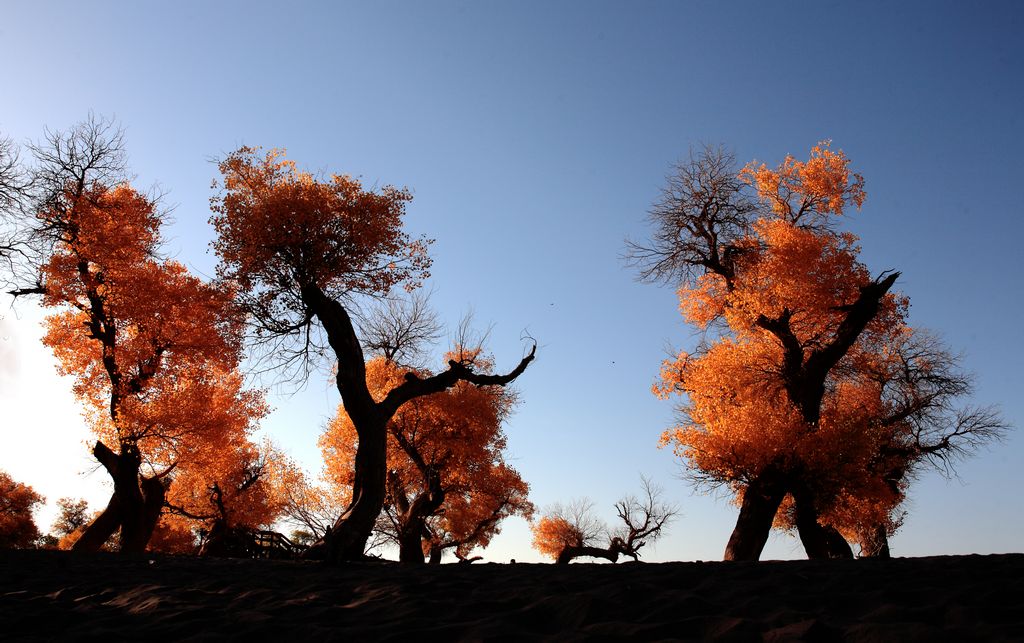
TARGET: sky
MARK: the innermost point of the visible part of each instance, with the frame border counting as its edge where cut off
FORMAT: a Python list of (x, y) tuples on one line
[(534, 137)]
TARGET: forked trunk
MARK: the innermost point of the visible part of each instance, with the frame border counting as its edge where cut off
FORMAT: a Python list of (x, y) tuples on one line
[(413, 517), (761, 502), (134, 506), (819, 541)]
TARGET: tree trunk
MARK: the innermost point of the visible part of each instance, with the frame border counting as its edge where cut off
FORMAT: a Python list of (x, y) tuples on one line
[(570, 553), (436, 553), (134, 506), (352, 530), (99, 531), (820, 542), (348, 537), (875, 544), (413, 517), (761, 501)]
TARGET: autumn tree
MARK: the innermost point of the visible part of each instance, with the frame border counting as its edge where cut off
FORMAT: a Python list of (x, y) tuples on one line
[(567, 532), (225, 490), (17, 502), (152, 349), (448, 485), (779, 403), (302, 250), (72, 516)]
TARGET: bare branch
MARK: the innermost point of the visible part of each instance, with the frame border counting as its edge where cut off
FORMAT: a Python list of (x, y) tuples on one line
[(701, 215), (400, 329)]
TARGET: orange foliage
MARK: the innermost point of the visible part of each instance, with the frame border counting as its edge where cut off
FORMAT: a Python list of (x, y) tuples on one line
[(456, 433), (171, 537), (280, 228), (152, 349), (798, 190), (552, 534), (738, 416), (17, 502)]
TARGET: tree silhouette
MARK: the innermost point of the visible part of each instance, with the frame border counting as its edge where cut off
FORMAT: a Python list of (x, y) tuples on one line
[(785, 399), (567, 532), (448, 486), (302, 250), (151, 348)]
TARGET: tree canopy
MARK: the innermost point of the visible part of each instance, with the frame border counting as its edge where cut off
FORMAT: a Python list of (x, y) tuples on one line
[(798, 393)]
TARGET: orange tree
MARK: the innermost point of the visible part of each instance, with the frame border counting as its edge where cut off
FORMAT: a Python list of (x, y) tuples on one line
[(224, 489), (448, 486), (151, 348), (302, 250), (17, 502), (785, 400), (567, 532)]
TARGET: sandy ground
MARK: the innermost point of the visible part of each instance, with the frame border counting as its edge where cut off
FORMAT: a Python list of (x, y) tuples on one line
[(49, 595)]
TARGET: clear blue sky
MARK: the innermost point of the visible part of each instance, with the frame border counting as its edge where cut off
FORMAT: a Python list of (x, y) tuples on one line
[(535, 135)]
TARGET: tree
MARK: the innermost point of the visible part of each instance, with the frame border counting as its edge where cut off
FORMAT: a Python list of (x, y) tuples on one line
[(781, 405), (229, 489), (73, 516), (152, 349), (17, 502), (301, 250), (448, 486), (569, 532)]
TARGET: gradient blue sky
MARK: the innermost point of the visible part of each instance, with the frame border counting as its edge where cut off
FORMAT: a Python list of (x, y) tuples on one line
[(534, 136)]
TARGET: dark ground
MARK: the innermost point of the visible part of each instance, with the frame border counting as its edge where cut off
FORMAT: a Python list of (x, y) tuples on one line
[(50, 595)]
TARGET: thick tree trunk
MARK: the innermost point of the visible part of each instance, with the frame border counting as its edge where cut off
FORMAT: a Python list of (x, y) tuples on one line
[(436, 553), (412, 517), (348, 537), (819, 541), (134, 506), (347, 540), (352, 530), (761, 502), (410, 543), (137, 527), (101, 528)]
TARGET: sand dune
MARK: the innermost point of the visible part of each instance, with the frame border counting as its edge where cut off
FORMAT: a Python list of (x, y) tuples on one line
[(61, 596)]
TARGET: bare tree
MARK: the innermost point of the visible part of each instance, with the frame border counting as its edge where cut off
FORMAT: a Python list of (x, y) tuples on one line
[(66, 164), (643, 518), (573, 531), (696, 222)]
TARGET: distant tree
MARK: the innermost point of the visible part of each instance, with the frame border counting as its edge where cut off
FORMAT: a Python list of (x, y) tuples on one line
[(73, 515), (793, 399), (568, 532), (228, 491), (301, 250), (17, 502)]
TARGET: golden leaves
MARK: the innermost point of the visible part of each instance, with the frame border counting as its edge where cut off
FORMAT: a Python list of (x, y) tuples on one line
[(799, 191), (279, 228)]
